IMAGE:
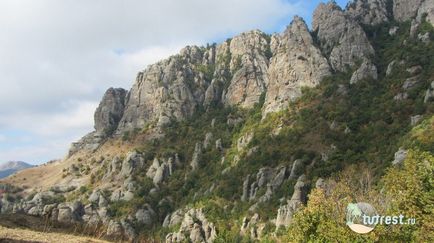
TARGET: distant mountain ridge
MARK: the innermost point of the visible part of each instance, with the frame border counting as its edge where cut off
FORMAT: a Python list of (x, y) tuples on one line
[(9, 168)]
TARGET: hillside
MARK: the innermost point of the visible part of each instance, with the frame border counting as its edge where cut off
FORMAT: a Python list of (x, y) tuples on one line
[(260, 138)]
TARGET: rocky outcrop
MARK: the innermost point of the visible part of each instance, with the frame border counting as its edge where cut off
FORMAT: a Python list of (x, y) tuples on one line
[(400, 156), (195, 228), (249, 65), (169, 89), (244, 141), (90, 142), (415, 119), (196, 156), (265, 178), (341, 38), (173, 218), (296, 169), (296, 63), (98, 198), (405, 9), (426, 9), (409, 83), (110, 111), (207, 141), (286, 212), (414, 10), (365, 71), (429, 94), (368, 12), (251, 227), (107, 117), (145, 216), (161, 169), (114, 229), (132, 162)]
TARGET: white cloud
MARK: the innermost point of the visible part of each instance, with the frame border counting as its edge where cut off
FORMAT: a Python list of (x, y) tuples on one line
[(58, 57)]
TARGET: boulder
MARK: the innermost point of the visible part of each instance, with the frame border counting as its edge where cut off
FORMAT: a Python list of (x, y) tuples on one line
[(133, 161), (415, 119), (114, 229), (400, 96), (145, 216), (65, 215), (400, 156), (130, 233), (414, 70), (410, 83), (393, 30)]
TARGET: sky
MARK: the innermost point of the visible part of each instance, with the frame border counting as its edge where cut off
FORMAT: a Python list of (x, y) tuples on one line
[(57, 57)]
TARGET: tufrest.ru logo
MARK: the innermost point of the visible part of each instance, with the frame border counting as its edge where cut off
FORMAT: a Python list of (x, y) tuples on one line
[(362, 218)]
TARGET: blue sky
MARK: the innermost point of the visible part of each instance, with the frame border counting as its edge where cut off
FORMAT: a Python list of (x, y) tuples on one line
[(59, 57)]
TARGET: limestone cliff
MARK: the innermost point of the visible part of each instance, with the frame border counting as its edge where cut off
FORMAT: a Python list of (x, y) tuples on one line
[(296, 62), (341, 39), (232, 162)]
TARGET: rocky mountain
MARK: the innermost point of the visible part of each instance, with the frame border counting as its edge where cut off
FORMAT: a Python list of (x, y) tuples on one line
[(9, 168), (244, 139)]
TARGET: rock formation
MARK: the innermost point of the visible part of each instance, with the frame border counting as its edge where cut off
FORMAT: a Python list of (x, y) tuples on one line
[(405, 9), (169, 89), (196, 227), (285, 212), (368, 12), (249, 64), (341, 39), (110, 111), (296, 63)]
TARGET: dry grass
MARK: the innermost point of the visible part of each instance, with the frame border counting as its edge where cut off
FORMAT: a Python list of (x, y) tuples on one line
[(29, 235), (43, 177)]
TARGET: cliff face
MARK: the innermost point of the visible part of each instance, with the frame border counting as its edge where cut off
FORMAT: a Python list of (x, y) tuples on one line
[(370, 81), (110, 111), (341, 39), (169, 89), (238, 71), (296, 62), (369, 12)]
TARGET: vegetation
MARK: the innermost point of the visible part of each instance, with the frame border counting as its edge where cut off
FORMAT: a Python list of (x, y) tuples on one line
[(347, 134), (336, 129)]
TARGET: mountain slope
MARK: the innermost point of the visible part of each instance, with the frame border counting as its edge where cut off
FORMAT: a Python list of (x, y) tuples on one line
[(233, 141)]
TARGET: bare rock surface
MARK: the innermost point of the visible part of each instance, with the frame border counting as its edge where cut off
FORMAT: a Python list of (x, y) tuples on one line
[(341, 38), (296, 63)]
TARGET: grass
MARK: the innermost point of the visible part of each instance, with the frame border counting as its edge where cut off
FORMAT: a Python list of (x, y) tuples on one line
[(35, 236)]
